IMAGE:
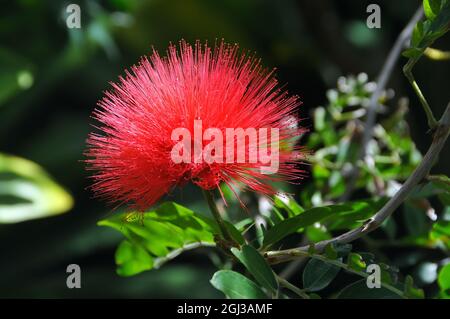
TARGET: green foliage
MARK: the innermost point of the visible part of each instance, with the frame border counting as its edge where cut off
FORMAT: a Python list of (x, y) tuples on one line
[(432, 8), (356, 262), (444, 281), (236, 286), (291, 225), (318, 274), (332, 217), (337, 141), (435, 25), (323, 268), (440, 234), (154, 237), (132, 259), (257, 266), (28, 192)]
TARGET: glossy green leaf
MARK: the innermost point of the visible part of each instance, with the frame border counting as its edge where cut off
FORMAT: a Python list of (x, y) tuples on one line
[(318, 274), (28, 192), (444, 281), (316, 234), (431, 8), (132, 259), (235, 233), (417, 36), (236, 286), (257, 266), (289, 204), (353, 214), (440, 233), (162, 233), (293, 224), (356, 262)]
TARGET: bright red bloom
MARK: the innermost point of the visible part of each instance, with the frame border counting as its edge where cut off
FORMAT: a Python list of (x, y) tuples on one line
[(220, 87)]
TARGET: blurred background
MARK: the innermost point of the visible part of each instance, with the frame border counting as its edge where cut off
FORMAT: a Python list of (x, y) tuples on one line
[(51, 78)]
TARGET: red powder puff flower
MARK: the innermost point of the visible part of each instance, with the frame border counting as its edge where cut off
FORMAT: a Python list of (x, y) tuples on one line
[(133, 155)]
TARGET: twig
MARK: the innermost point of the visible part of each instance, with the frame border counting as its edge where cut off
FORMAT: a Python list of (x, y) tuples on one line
[(407, 70), (439, 138), (382, 80), (162, 260)]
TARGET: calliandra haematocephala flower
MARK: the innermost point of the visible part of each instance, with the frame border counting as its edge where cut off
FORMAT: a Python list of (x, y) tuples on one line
[(193, 89)]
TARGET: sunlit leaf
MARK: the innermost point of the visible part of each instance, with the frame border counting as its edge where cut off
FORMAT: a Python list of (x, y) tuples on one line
[(28, 192), (163, 234), (356, 262), (431, 8), (444, 281), (132, 259)]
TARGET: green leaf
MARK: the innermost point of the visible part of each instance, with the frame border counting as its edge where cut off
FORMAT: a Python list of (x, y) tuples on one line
[(257, 266), (316, 234), (236, 286), (28, 192), (356, 262), (293, 224), (235, 234), (318, 274), (162, 233), (444, 281), (440, 233), (359, 290), (132, 259), (417, 36), (413, 53), (289, 204), (431, 8)]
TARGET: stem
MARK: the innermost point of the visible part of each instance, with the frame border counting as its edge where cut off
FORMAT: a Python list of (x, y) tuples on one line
[(286, 284), (407, 70), (215, 212)]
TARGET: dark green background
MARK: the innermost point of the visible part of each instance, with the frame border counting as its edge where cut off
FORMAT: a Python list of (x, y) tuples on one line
[(310, 42)]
